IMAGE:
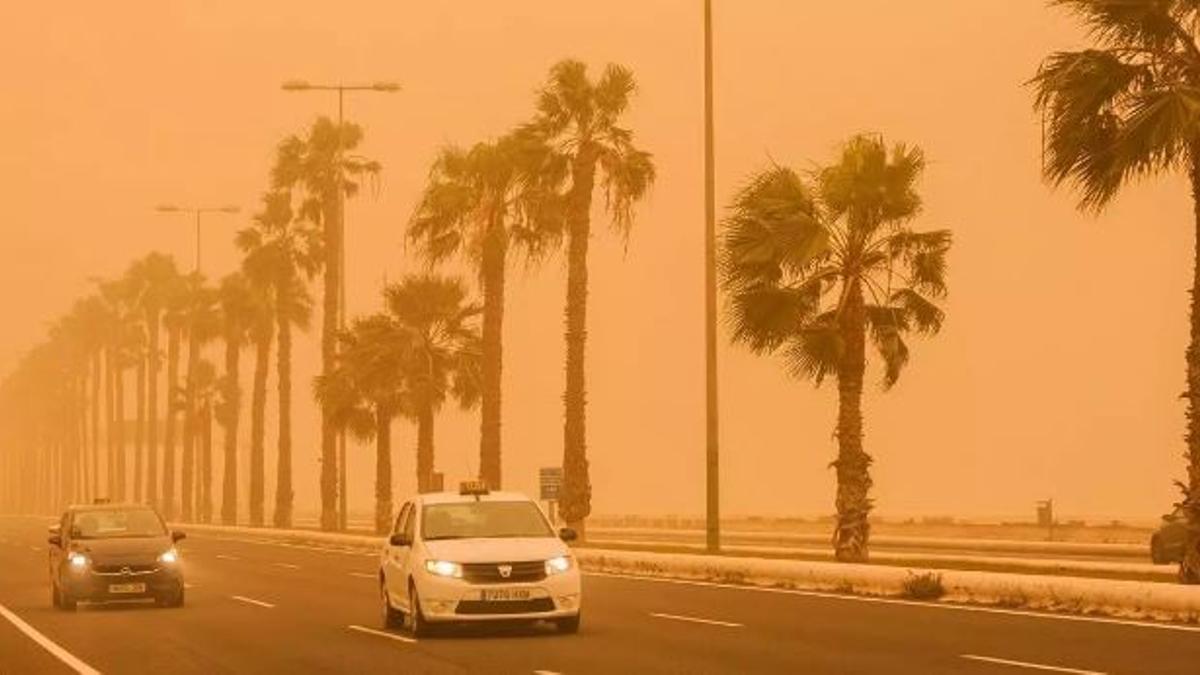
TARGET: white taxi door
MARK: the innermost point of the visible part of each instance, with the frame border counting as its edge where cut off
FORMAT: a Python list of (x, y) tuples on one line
[(397, 557)]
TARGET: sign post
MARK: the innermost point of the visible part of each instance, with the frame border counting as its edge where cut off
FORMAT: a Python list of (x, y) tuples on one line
[(549, 483)]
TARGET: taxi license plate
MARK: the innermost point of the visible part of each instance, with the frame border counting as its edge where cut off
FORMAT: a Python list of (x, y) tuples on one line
[(127, 588), (502, 594)]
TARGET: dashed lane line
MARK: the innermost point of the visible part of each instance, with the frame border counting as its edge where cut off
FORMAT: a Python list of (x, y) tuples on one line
[(252, 601), (1030, 666), (222, 556), (380, 633), (695, 619), (363, 575), (289, 566)]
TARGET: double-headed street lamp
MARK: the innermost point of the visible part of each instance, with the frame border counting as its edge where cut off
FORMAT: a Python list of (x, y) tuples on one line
[(198, 211), (341, 89)]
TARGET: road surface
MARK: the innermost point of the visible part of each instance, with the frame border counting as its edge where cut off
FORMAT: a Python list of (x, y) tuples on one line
[(256, 607)]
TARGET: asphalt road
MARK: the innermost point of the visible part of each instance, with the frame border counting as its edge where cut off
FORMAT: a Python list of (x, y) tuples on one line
[(268, 608)]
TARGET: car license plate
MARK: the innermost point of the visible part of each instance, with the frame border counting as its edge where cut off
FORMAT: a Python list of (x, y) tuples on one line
[(502, 594), (127, 588)]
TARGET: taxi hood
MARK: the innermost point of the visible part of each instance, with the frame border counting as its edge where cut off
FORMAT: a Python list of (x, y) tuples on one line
[(500, 549)]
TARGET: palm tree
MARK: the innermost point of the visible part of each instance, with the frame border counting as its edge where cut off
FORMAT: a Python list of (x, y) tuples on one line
[(366, 391), (478, 204), (175, 317), (443, 358), (202, 325), (207, 391), (283, 252), (158, 278), (1120, 111), (262, 333), (581, 120), (812, 268), (322, 166), (241, 309)]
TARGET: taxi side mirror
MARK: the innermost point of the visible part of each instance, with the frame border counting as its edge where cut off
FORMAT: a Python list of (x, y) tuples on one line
[(399, 539), (54, 540), (178, 536), (568, 534)]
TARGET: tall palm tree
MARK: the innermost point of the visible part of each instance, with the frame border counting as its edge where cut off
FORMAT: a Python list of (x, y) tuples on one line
[(477, 205), (241, 309), (207, 392), (175, 317), (1117, 112), (581, 120), (812, 269), (262, 333), (284, 252), (366, 391), (444, 354), (202, 325), (323, 167)]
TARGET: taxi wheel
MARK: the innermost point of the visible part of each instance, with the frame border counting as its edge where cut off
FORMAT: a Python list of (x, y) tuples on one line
[(416, 618), (392, 617), (569, 625)]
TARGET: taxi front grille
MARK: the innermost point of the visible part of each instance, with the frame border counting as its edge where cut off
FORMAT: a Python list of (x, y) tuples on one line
[(493, 573), (477, 607)]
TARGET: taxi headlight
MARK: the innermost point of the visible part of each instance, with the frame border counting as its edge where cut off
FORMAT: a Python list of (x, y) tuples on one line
[(169, 557), (558, 565), (444, 568), (77, 560)]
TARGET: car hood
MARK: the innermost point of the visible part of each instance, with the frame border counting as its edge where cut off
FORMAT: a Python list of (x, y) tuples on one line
[(496, 550), (131, 550)]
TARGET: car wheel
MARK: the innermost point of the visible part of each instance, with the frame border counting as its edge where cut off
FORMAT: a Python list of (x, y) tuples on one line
[(171, 598), (1158, 556), (65, 601), (416, 618), (54, 599), (569, 625), (392, 617)]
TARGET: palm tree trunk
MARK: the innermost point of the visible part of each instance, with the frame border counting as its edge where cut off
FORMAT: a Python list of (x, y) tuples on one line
[(110, 435), (852, 529), (139, 436), (383, 469), (258, 426), (119, 428), (283, 473), (425, 449), (152, 322), (494, 254), (82, 431), (190, 427), (233, 396), (576, 497), (95, 424), (206, 470), (168, 471), (329, 325), (1189, 568)]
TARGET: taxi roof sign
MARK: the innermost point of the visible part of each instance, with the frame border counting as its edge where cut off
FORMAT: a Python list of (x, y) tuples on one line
[(472, 487)]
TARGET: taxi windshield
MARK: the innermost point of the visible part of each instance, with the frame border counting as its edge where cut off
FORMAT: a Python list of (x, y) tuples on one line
[(477, 520), (112, 523)]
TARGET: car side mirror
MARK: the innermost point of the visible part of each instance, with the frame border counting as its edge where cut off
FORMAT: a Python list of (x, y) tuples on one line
[(178, 536), (399, 539), (55, 540), (568, 534)]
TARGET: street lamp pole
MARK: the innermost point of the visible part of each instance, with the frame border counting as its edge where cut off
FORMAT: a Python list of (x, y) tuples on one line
[(197, 211), (712, 449), (341, 89)]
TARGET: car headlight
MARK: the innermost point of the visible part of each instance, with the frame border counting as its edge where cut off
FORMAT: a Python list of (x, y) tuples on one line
[(444, 568), (77, 560), (169, 557), (558, 565)]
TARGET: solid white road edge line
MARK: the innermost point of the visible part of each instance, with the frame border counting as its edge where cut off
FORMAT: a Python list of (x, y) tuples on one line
[(1032, 666), (694, 619), (909, 603), (372, 631), (46, 643), (252, 601)]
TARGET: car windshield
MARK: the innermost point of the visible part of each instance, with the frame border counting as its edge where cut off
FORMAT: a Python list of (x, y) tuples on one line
[(475, 520), (112, 523)]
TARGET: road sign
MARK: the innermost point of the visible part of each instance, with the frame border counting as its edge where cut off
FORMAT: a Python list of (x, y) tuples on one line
[(550, 480)]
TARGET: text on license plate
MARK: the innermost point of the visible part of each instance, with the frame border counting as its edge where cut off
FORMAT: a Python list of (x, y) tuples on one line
[(494, 594), (127, 588)]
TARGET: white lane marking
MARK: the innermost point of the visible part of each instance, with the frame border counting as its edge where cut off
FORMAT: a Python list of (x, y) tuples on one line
[(364, 575), (289, 566), (695, 619), (546, 672), (252, 601), (1032, 666), (187, 585), (34, 549), (907, 603), (46, 643), (222, 556), (390, 636)]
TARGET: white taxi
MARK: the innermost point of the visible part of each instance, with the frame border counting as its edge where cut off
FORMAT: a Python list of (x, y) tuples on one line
[(477, 556)]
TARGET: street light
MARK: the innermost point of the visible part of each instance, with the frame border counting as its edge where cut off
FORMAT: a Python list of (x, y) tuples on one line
[(712, 451), (341, 88), (198, 210)]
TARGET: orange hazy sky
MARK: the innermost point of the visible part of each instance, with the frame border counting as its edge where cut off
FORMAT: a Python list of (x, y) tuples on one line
[(1059, 369)]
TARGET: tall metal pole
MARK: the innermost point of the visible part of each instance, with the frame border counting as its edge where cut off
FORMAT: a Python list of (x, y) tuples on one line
[(198, 212), (712, 449)]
